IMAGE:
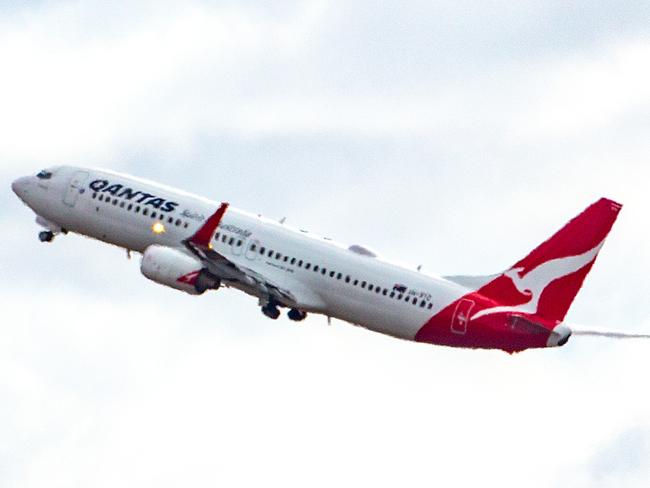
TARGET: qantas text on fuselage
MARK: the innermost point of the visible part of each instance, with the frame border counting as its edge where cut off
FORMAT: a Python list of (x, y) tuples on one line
[(195, 245)]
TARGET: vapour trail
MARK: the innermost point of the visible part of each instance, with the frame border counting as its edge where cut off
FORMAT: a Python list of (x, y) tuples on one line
[(612, 334)]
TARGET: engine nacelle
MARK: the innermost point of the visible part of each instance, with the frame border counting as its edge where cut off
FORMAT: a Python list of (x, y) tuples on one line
[(172, 268)]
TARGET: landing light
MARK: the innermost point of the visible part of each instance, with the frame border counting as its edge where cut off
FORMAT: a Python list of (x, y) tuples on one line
[(158, 228)]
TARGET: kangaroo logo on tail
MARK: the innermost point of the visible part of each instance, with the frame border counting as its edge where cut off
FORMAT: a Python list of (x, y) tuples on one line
[(534, 282)]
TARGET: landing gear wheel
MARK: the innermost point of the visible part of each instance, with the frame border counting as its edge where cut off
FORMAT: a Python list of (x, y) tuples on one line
[(271, 312), (46, 236), (296, 315)]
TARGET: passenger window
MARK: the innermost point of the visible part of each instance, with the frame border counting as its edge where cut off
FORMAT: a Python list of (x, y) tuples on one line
[(253, 247), (399, 297), (94, 195), (378, 290), (270, 254), (307, 266), (231, 241), (170, 220), (178, 222), (286, 258), (324, 271), (415, 301), (347, 279), (316, 268), (137, 209), (224, 238), (422, 304), (392, 294), (185, 225), (114, 201), (332, 273), (430, 306), (130, 207), (122, 204), (384, 292), (262, 250), (216, 236), (293, 260), (370, 287), (101, 198), (145, 211), (339, 276), (363, 284)]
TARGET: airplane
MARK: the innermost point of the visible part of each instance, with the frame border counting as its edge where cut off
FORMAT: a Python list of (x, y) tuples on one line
[(196, 245)]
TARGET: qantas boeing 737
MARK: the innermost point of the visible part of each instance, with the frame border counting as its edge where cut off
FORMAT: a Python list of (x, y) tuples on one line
[(194, 245)]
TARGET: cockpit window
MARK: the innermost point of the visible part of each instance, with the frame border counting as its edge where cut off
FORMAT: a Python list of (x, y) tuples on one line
[(44, 175)]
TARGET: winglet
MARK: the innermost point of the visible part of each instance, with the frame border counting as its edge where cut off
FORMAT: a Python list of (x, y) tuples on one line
[(203, 236)]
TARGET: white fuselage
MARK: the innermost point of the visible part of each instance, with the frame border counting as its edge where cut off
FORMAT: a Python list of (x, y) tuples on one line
[(326, 277)]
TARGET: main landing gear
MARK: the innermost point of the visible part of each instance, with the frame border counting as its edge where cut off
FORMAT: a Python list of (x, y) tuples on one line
[(297, 315), (272, 311)]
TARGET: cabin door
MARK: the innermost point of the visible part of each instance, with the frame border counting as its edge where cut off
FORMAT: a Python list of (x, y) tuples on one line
[(75, 188)]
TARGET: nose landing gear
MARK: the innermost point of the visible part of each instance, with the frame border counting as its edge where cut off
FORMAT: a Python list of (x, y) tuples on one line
[(46, 236), (51, 229)]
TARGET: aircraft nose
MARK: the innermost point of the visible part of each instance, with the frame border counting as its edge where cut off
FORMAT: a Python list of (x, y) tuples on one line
[(19, 186), (559, 336)]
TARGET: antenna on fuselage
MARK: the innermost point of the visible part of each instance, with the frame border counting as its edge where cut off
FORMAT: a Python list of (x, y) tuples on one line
[(283, 220)]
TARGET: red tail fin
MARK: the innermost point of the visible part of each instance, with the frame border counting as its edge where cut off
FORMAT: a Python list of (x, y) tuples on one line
[(547, 280)]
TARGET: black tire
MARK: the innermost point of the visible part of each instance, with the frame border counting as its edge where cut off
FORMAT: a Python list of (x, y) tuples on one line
[(296, 315), (45, 236), (271, 312)]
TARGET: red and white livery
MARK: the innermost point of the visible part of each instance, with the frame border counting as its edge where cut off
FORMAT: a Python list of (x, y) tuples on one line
[(193, 244)]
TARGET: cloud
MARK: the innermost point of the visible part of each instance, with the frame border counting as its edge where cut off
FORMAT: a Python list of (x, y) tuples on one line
[(86, 79), (453, 135), (623, 461), (139, 397)]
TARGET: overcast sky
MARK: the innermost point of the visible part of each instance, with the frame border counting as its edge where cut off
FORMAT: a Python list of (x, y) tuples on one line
[(450, 134)]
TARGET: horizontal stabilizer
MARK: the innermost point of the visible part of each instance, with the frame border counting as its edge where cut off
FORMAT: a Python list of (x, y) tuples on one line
[(471, 282)]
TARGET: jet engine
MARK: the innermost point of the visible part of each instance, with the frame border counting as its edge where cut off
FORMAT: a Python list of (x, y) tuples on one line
[(174, 268)]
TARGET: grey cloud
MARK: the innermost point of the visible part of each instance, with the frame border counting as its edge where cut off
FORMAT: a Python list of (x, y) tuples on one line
[(416, 45), (624, 461), (291, 130)]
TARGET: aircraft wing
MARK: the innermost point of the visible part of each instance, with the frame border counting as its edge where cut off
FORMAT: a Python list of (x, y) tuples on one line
[(200, 244)]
